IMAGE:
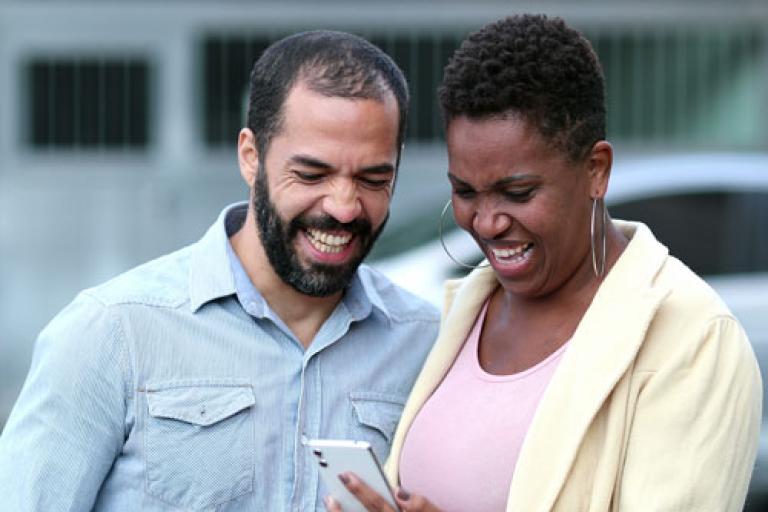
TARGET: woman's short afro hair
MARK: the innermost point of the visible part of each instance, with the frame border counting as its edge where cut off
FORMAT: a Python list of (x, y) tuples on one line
[(532, 67)]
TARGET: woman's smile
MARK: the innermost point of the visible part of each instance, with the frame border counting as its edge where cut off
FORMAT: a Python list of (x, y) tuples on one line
[(511, 260)]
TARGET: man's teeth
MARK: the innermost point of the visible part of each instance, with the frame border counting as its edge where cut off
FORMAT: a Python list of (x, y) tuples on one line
[(326, 242), (510, 253)]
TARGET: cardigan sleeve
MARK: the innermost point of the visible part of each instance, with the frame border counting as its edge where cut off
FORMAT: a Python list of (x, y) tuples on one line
[(696, 427)]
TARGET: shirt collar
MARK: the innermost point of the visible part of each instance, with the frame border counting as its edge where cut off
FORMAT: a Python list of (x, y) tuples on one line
[(216, 271), (363, 286), (250, 299), (210, 276)]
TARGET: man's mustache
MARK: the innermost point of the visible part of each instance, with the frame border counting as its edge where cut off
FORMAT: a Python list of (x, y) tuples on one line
[(327, 223)]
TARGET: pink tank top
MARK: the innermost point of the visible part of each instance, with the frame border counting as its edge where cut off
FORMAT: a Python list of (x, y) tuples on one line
[(462, 447)]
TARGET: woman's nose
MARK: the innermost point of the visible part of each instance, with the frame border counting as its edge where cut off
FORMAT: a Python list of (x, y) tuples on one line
[(490, 221)]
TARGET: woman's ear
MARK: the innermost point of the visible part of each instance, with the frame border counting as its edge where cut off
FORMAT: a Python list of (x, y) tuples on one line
[(600, 161), (247, 156)]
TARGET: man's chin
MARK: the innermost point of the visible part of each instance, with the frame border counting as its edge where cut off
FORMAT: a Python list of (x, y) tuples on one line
[(321, 279), (330, 270), (322, 282)]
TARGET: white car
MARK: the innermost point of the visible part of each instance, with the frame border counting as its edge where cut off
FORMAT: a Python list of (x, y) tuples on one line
[(711, 210)]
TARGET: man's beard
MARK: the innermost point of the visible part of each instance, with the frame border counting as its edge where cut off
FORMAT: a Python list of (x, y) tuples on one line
[(316, 280)]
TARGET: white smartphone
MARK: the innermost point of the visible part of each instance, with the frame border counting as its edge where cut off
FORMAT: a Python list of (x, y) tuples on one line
[(338, 456)]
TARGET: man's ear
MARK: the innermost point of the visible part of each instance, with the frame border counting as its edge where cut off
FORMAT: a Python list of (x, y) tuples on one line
[(247, 156), (600, 161)]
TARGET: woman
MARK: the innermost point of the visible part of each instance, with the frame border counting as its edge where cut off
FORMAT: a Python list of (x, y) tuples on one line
[(585, 368)]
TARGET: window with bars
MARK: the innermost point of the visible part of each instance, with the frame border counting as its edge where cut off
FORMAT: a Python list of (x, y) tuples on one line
[(82, 103), (686, 87), (691, 86), (227, 61)]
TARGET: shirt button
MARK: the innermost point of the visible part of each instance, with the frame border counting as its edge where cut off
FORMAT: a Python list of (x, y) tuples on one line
[(202, 410)]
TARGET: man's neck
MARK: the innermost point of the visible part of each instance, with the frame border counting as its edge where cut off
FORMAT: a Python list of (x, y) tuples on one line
[(303, 314)]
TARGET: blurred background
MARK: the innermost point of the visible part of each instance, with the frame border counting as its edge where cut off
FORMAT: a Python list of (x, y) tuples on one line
[(118, 125)]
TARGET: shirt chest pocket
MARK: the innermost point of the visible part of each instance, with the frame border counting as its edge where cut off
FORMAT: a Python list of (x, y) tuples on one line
[(374, 419), (199, 442)]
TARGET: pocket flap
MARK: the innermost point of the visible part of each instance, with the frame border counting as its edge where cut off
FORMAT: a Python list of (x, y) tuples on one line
[(378, 410), (200, 405)]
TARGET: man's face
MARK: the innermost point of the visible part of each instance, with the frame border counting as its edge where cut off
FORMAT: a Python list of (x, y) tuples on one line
[(322, 193)]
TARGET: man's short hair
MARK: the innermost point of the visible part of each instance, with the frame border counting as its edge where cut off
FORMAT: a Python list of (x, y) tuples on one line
[(328, 62), (535, 68)]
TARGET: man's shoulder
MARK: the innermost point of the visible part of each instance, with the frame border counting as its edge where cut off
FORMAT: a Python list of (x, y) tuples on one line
[(401, 304), (162, 282)]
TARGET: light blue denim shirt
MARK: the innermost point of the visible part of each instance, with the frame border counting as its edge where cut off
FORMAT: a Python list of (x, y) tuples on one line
[(175, 387)]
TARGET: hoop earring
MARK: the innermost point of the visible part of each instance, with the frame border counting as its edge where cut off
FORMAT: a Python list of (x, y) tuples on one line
[(442, 240), (598, 268)]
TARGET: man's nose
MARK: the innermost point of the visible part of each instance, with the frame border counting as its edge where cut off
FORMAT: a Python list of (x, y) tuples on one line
[(342, 202)]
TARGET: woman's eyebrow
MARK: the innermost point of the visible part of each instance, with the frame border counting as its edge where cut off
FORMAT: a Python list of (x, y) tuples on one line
[(458, 181), (507, 180)]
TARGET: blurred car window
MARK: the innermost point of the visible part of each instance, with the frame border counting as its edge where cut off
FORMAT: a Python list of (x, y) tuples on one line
[(712, 232)]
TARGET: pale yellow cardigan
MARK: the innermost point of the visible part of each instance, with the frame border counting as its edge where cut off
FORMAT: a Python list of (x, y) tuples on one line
[(656, 404)]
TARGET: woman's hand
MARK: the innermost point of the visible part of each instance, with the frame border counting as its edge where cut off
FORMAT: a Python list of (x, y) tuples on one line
[(374, 502)]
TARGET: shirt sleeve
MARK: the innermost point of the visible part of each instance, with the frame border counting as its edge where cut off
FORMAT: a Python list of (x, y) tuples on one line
[(694, 437), (68, 424)]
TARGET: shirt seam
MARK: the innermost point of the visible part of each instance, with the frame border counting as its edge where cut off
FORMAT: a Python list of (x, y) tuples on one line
[(127, 370), (153, 302), (117, 333), (406, 320)]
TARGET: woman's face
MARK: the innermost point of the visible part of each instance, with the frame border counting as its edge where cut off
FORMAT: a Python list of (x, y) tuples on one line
[(525, 203)]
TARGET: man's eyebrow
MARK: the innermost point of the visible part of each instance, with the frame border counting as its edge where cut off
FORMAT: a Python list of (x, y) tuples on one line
[(308, 161), (379, 169)]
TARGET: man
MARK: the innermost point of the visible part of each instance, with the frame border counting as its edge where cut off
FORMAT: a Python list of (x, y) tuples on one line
[(192, 381)]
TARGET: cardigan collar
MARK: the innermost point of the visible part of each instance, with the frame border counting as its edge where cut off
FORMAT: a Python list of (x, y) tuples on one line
[(598, 355)]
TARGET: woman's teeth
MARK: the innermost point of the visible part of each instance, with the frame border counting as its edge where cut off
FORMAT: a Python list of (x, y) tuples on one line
[(506, 254), (326, 242)]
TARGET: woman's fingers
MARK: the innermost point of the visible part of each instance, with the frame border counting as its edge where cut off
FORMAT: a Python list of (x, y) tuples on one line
[(372, 500), (413, 502), (331, 504)]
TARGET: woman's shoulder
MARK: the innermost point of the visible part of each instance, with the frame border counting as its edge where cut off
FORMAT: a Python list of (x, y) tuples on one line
[(690, 316), (690, 320), (688, 286), (647, 262), (690, 297)]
